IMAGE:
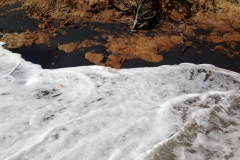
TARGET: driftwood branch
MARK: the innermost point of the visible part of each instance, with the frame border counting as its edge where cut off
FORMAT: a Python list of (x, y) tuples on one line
[(147, 12), (144, 11)]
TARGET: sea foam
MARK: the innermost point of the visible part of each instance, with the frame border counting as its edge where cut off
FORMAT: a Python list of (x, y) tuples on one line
[(182, 111)]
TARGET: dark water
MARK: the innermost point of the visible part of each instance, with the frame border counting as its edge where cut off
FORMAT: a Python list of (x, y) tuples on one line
[(16, 21), (206, 56), (49, 57), (45, 55)]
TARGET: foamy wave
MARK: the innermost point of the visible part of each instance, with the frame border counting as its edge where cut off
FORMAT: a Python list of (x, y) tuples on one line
[(169, 112)]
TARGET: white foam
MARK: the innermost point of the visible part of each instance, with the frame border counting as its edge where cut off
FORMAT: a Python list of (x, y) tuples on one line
[(183, 111)]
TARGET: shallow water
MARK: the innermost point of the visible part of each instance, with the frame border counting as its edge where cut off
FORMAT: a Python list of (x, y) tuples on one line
[(182, 111)]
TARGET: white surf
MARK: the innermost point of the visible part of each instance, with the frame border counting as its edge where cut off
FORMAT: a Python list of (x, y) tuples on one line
[(182, 112)]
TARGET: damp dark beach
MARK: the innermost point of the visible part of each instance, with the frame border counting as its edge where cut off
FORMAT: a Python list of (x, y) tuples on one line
[(50, 57)]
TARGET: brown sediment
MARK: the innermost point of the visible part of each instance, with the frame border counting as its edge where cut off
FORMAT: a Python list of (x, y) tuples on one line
[(116, 60), (143, 47), (39, 37), (137, 46), (221, 48), (232, 44), (223, 35), (205, 13), (66, 13), (87, 43), (9, 2), (113, 60), (126, 48), (174, 15), (229, 52), (94, 57), (68, 47), (16, 40)]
